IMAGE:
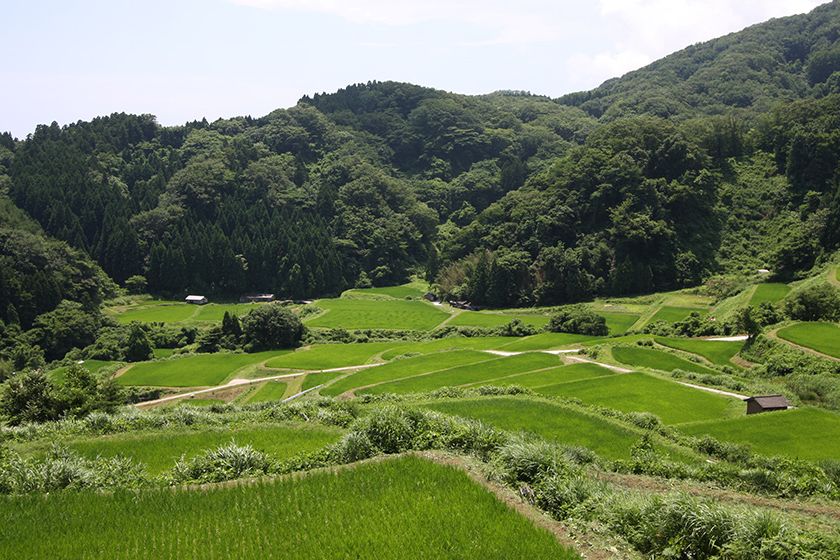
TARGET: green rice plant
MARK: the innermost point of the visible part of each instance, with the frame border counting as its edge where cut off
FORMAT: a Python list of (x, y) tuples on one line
[(364, 313), (546, 341), (491, 320), (443, 344), (418, 509), (656, 359), (718, 352), (553, 376), (467, 374), (822, 337), (619, 323), (159, 312), (329, 356), (196, 370), (406, 368), (639, 392), (769, 293), (269, 391), (805, 433), (669, 314), (552, 422)]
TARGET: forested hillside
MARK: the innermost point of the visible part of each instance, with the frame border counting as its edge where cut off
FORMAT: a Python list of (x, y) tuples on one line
[(719, 159)]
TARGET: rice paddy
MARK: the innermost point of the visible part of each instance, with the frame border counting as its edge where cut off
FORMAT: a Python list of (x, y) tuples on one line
[(822, 337), (670, 314), (268, 391), (366, 313), (491, 320), (639, 392), (475, 373), (197, 370), (805, 433), (637, 356), (716, 351), (769, 293), (409, 505), (546, 341), (619, 323), (159, 450), (329, 356), (550, 421)]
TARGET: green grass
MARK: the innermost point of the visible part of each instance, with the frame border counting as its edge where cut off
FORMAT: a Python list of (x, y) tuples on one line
[(619, 323), (412, 290), (163, 352), (477, 373), (269, 391), (59, 375), (193, 402), (716, 351), (492, 320), (637, 356), (165, 312), (769, 293), (405, 368), (806, 433), (328, 356), (159, 450), (214, 312), (822, 337), (364, 313), (450, 343), (669, 314), (553, 376), (315, 379), (402, 507), (639, 392), (550, 421), (196, 370), (545, 341)]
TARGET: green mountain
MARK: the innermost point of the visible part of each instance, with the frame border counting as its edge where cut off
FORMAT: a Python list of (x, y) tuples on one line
[(721, 158)]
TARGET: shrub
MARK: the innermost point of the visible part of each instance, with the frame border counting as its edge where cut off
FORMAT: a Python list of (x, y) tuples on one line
[(578, 319), (815, 303), (227, 462), (272, 326)]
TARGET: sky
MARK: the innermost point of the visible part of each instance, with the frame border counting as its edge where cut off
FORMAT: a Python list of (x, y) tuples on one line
[(181, 60)]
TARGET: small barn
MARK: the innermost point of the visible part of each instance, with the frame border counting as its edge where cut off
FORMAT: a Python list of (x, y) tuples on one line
[(766, 403), (257, 298), (196, 300), (430, 296)]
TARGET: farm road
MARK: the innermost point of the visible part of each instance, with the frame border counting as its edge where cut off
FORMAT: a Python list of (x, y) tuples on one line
[(240, 382)]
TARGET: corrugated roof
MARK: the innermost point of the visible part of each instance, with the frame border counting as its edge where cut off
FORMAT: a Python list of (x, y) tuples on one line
[(771, 401)]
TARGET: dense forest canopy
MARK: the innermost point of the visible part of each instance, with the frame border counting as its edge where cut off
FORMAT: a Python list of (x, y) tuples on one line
[(721, 158)]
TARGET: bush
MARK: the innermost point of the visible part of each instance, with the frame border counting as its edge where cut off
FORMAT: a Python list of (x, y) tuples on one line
[(227, 462), (578, 320), (272, 326), (815, 303), (136, 284)]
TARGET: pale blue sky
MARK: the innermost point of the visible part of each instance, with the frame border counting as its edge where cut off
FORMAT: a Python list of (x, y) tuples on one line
[(181, 60)]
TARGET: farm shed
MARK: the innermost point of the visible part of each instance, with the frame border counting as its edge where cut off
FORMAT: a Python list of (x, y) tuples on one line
[(766, 403), (197, 300), (429, 296), (257, 298)]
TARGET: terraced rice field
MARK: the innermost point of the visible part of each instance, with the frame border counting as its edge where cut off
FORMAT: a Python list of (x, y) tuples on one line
[(452, 343), (366, 313), (159, 450), (162, 312), (269, 391), (553, 376), (822, 337), (406, 367), (669, 314), (329, 356), (639, 392), (410, 505), (619, 323), (553, 422), (637, 356), (806, 433), (491, 320), (716, 351), (769, 293), (59, 375), (546, 341), (479, 373), (197, 370)]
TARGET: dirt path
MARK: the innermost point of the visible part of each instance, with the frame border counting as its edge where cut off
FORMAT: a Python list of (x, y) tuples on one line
[(774, 334), (739, 338), (715, 391), (240, 382)]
